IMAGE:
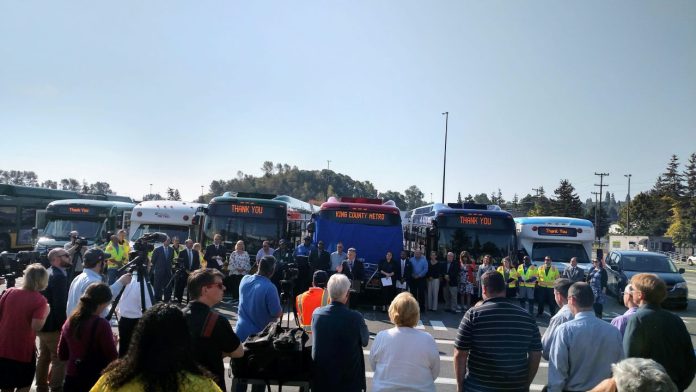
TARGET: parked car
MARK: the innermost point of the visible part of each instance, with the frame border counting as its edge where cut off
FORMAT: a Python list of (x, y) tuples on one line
[(623, 264)]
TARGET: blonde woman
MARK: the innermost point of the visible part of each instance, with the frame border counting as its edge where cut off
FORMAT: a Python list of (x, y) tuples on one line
[(23, 311), (239, 266), (404, 358)]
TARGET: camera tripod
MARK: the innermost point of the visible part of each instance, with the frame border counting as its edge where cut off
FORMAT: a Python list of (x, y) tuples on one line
[(139, 266), (287, 297)]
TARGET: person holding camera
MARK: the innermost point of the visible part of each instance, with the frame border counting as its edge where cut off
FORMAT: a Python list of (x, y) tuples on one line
[(283, 257), (76, 250), (95, 265)]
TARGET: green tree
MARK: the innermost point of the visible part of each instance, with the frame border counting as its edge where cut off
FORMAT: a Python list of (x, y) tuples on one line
[(413, 197), (398, 198), (459, 198), (469, 198), (482, 198), (650, 214), (679, 228), (50, 184), (153, 196), (19, 177), (267, 168), (173, 194), (100, 188), (70, 184), (670, 182), (567, 202), (602, 226)]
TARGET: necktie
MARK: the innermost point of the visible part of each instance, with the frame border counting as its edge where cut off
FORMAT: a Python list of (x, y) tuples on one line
[(190, 259)]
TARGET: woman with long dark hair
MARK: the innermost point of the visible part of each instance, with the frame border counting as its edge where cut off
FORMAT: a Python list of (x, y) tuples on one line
[(86, 340), (160, 358)]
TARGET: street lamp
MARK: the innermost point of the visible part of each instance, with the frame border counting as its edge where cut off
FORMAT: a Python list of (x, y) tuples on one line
[(444, 163), (628, 206)]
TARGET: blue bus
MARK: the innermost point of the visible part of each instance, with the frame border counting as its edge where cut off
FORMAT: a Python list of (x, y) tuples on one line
[(371, 226), (455, 227)]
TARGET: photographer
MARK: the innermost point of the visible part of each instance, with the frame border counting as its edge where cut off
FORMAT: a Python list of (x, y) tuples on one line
[(283, 257), (189, 260), (130, 310), (76, 246)]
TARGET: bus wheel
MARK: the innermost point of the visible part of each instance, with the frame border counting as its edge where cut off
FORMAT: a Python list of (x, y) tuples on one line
[(4, 243)]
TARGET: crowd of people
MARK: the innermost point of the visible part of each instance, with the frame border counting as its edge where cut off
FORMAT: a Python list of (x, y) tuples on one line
[(498, 346)]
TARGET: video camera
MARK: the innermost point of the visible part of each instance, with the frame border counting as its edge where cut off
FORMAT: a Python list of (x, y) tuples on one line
[(12, 265), (80, 241), (141, 248)]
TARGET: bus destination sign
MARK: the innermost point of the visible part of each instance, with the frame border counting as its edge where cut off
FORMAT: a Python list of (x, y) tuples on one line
[(475, 221), (359, 215), (558, 231), (76, 210), (375, 218)]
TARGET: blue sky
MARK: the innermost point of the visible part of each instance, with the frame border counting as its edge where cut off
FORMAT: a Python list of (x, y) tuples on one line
[(179, 93)]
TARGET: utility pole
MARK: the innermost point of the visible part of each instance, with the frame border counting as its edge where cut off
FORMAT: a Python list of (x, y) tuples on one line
[(537, 190), (601, 185), (595, 211), (628, 206), (201, 190), (328, 164), (444, 164)]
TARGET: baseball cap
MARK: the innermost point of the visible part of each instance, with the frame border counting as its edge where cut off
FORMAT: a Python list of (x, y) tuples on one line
[(94, 256), (320, 278)]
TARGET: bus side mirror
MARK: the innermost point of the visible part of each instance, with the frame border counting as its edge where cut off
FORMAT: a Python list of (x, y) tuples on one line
[(196, 220), (311, 227), (34, 233)]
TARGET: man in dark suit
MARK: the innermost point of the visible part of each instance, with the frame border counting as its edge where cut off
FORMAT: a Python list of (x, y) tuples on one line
[(352, 267), (189, 261), (404, 270), (215, 253), (56, 294), (657, 334), (339, 337), (574, 273), (319, 258), (162, 262), (451, 283)]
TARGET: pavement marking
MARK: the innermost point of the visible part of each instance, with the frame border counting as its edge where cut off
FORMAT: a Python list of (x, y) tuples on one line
[(452, 381), (420, 325), (443, 341), (685, 320), (438, 325), (615, 314), (444, 358)]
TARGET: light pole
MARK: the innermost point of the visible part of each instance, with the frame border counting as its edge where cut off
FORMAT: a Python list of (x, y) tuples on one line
[(328, 164), (201, 190), (444, 163), (150, 190), (628, 206)]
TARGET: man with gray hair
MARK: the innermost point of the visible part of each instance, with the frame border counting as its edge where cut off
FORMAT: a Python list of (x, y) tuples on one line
[(621, 322), (339, 336), (637, 375), (584, 348)]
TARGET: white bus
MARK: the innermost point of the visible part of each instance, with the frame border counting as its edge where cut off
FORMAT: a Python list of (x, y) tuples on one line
[(558, 237), (173, 218)]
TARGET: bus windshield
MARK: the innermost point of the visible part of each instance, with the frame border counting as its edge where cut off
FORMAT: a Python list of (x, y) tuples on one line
[(478, 242), (560, 252), (182, 232), (59, 229), (253, 231)]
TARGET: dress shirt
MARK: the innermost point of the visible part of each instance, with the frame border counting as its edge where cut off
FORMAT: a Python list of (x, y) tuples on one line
[(559, 318), (130, 306), (582, 352), (621, 322), (260, 254), (337, 259), (79, 286), (420, 266)]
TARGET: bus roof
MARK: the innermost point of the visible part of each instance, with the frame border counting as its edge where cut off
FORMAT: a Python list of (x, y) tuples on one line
[(56, 194), (94, 203), (553, 220), (334, 203), (165, 211), (297, 204), (445, 209)]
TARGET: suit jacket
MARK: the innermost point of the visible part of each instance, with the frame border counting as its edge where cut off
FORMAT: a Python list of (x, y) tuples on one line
[(453, 273), (211, 252), (190, 265), (358, 271), (662, 336), (320, 261), (406, 274), (161, 265), (577, 276), (57, 295), (339, 336)]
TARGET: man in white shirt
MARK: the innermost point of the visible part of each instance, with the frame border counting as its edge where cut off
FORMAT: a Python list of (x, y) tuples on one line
[(130, 309), (337, 257), (265, 250), (560, 291)]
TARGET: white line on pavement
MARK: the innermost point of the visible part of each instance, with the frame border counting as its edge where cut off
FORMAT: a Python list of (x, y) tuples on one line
[(420, 325), (452, 381), (438, 325)]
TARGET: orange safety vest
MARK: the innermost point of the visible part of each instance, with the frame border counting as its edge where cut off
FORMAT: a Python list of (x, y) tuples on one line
[(547, 279), (531, 271), (512, 275), (307, 302)]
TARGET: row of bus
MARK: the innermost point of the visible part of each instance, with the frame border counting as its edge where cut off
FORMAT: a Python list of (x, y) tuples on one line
[(372, 226)]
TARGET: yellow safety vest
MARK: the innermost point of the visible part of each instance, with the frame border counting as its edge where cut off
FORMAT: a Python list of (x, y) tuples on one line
[(531, 271), (118, 255), (547, 279), (176, 253), (513, 275)]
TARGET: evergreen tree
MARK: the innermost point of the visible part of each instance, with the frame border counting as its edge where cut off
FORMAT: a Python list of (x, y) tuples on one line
[(567, 202), (482, 198), (671, 180), (690, 176), (469, 198), (459, 197)]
